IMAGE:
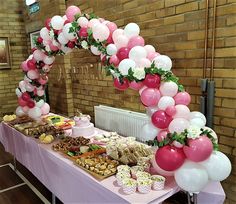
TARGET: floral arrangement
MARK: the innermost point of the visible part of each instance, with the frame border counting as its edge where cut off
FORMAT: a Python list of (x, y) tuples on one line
[(180, 134)]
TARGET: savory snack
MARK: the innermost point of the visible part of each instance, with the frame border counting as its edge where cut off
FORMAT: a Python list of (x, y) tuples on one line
[(120, 176), (135, 169), (107, 137), (8, 118), (129, 186), (158, 182), (99, 166), (144, 185), (59, 122), (20, 120)]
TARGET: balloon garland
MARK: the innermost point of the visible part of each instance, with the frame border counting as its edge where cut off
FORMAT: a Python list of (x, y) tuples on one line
[(187, 149)]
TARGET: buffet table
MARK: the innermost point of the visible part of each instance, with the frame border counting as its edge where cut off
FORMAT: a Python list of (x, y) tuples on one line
[(68, 182)]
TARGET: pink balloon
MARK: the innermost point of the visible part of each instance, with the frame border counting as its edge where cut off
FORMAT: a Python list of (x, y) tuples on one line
[(123, 53), (162, 135), (150, 96), (111, 26), (114, 60), (144, 62), (159, 170), (136, 85), (170, 110), (24, 66), (40, 92), (160, 119), (121, 86), (152, 55), (182, 111), (93, 22), (136, 41), (141, 90), (32, 74), (170, 158), (43, 81), (198, 149), (182, 98), (25, 109), (71, 11), (45, 109), (22, 102), (178, 125), (53, 47), (152, 81)]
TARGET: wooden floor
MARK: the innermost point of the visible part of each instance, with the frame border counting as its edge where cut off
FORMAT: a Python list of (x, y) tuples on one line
[(21, 187)]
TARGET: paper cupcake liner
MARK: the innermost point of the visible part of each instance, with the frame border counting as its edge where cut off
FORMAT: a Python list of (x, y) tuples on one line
[(119, 182), (158, 185), (144, 188), (129, 189)]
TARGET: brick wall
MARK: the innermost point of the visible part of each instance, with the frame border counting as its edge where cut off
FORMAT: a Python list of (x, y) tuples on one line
[(175, 28), (11, 26)]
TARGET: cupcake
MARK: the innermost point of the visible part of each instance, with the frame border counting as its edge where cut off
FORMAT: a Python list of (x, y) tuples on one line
[(158, 182), (123, 168), (120, 176), (144, 185), (129, 185), (142, 174), (135, 169)]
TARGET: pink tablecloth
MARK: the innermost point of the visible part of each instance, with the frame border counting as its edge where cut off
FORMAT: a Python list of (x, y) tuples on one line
[(67, 181)]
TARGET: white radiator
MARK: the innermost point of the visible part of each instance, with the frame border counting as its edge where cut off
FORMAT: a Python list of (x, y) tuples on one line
[(126, 123)]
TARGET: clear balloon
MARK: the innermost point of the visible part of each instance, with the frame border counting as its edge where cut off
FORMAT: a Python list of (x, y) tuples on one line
[(218, 166), (40, 103), (191, 177)]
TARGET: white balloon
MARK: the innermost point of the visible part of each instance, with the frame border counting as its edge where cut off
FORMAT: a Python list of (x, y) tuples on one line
[(212, 133), (100, 32), (19, 111), (199, 122), (191, 177), (66, 50), (137, 53), (196, 114), (22, 84), (27, 79), (82, 21), (95, 50), (149, 48), (163, 62), (32, 74), (29, 87), (44, 33), (182, 111), (45, 109), (18, 92), (111, 49), (165, 101), (66, 32), (178, 125), (30, 57), (150, 110), (131, 30), (218, 166), (57, 22), (125, 65), (117, 33), (148, 132), (49, 60), (93, 22), (35, 112), (168, 88), (40, 103), (62, 39)]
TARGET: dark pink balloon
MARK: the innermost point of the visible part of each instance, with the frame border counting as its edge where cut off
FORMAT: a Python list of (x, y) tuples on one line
[(25, 96), (182, 98), (121, 86), (114, 60), (136, 41), (170, 158), (152, 81), (170, 110), (83, 32), (30, 104), (135, 85), (109, 39), (160, 119), (162, 135), (47, 23), (31, 64), (22, 102), (150, 97), (198, 149), (111, 26), (123, 53), (152, 55)]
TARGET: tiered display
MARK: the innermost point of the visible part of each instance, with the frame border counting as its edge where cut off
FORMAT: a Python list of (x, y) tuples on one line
[(187, 148)]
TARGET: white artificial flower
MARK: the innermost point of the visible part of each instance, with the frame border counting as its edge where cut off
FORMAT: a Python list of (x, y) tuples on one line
[(47, 48), (51, 34), (139, 73), (114, 74), (194, 132), (84, 44)]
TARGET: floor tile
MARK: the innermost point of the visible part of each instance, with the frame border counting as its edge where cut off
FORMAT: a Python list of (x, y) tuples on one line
[(8, 178)]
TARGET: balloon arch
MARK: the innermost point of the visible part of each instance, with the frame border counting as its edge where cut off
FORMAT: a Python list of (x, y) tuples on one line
[(187, 148)]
